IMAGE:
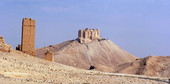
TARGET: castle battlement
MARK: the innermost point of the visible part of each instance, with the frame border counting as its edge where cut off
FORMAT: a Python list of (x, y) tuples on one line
[(87, 35)]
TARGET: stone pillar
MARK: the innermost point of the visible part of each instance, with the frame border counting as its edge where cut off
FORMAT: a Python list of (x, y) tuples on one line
[(99, 36), (28, 36), (92, 35), (80, 34), (95, 34), (85, 34)]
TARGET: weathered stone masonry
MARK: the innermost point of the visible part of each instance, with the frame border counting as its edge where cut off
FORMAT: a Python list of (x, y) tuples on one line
[(28, 37), (3, 46), (49, 56), (87, 35)]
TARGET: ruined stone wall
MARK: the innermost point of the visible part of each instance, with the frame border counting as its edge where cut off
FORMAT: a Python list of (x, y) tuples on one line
[(28, 36), (87, 35), (19, 47), (49, 56), (2, 39), (3, 46)]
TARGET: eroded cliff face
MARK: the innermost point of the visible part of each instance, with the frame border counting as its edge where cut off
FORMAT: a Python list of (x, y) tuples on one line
[(104, 55)]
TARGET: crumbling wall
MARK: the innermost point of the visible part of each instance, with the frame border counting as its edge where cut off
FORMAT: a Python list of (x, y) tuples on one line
[(3, 46), (87, 35), (19, 47), (49, 56)]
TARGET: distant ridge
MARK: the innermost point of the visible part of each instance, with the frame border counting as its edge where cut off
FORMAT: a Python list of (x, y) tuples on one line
[(150, 66)]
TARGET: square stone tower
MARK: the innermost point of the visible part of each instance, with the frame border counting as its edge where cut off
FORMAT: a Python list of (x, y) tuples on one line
[(49, 56), (28, 36)]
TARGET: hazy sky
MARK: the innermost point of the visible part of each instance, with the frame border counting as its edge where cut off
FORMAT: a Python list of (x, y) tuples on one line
[(141, 27)]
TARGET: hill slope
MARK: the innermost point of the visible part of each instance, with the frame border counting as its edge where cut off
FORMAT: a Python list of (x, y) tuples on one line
[(20, 68), (104, 55), (151, 66)]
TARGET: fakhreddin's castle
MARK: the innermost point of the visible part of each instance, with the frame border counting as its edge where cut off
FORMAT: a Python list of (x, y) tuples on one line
[(87, 35)]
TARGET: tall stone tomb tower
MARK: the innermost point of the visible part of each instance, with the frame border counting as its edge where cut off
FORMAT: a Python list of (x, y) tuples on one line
[(28, 37)]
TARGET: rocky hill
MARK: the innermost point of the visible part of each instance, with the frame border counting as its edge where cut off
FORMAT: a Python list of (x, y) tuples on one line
[(105, 56), (151, 66), (101, 55)]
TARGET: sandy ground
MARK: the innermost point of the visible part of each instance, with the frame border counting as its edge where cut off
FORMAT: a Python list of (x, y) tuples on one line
[(19, 68)]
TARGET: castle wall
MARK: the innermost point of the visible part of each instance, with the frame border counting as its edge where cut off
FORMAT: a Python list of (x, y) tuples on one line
[(80, 34), (87, 35)]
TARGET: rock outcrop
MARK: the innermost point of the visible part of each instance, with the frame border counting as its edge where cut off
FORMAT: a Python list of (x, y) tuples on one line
[(3, 46), (150, 66)]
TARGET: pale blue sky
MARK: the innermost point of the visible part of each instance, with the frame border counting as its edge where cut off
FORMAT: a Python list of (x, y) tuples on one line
[(141, 27)]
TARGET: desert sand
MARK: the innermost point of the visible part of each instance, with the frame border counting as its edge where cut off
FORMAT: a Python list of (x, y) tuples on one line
[(18, 68)]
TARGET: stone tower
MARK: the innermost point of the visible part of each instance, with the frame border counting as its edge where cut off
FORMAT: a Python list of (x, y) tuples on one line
[(49, 56), (28, 37)]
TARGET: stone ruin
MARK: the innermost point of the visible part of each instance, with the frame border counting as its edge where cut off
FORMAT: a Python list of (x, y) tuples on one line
[(28, 37), (48, 55), (87, 35), (3, 46)]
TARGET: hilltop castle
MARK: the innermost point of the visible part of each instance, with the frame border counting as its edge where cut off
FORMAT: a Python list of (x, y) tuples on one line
[(87, 35)]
